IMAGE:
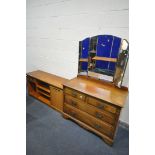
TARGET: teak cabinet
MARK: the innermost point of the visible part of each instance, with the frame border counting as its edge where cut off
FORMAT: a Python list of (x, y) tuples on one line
[(47, 88), (91, 103)]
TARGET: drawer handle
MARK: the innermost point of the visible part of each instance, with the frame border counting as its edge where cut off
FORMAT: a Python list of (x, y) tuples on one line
[(74, 103), (97, 126), (98, 115), (74, 94), (81, 96), (100, 106)]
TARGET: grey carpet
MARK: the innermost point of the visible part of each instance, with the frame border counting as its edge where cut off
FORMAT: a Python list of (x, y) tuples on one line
[(48, 133)]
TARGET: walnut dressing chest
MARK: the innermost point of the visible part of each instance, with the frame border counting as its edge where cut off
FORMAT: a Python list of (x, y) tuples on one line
[(94, 105)]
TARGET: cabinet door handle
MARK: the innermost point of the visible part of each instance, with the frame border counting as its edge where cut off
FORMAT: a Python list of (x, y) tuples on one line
[(100, 106), (98, 115), (81, 96)]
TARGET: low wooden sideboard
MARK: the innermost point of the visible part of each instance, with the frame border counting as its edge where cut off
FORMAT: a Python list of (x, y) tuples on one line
[(47, 88), (93, 104)]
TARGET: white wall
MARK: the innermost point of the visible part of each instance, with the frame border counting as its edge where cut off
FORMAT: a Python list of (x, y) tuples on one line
[(55, 27)]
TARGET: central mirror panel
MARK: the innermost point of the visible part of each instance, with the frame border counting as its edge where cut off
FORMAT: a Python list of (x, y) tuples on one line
[(103, 57)]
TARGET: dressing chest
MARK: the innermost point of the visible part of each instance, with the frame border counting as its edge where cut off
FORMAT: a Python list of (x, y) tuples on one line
[(94, 105)]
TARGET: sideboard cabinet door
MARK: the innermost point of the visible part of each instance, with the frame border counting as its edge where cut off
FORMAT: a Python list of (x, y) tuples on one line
[(56, 98)]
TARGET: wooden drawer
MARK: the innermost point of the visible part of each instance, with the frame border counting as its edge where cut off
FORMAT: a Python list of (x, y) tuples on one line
[(99, 114), (75, 94), (101, 105), (88, 119)]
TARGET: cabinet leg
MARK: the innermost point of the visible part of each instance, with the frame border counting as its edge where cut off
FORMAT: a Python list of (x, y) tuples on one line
[(65, 117), (109, 142)]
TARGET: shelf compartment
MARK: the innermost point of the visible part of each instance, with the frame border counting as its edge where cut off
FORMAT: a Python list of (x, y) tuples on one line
[(105, 59), (44, 92), (44, 99), (43, 84), (43, 88), (83, 60)]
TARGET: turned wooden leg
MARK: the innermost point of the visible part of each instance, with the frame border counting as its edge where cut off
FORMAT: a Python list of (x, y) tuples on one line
[(65, 117), (109, 142)]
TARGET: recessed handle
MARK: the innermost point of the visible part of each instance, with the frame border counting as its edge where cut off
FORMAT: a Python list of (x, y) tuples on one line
[(74, 94), (97, 126), (100, 106), (98, 115)]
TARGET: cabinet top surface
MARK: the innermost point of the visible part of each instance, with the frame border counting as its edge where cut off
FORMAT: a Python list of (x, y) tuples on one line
[(48, 78), (99, 90)]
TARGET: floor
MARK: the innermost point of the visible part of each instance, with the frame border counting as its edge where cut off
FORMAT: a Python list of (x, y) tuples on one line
[(48, 133)]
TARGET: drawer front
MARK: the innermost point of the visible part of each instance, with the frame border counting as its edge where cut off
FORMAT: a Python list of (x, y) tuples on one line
[(75, 94), (89, 120), (99, 114), (31, 79), (101, 105)]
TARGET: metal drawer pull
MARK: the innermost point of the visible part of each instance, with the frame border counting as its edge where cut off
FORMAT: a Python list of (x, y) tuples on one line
[(97, 126), (98, 115), (74, 94), (100, 106), (73, 103), (81, 96)]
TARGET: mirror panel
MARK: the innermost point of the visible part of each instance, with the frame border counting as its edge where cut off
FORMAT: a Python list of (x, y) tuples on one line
[(121, 63), (103, 57)]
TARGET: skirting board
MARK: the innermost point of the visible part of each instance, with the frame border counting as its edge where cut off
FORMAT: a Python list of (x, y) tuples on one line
[(124, 124)]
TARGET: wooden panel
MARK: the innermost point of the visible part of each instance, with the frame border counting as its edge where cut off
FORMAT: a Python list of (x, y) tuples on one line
[(99, 89), (56, 98), (32, 87), (44, 92), (48, 78), (44, 99), (101, 105), (31, 79), (43, 88), (88, 119), (75, 94), (83, 60), (99, 114), (105, 59)]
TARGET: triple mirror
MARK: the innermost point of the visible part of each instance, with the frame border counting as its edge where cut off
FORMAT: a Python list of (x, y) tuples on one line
[(104, 57)]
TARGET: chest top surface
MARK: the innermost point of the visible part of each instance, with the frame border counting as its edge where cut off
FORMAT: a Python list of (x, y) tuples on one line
[(99, 90), (48, 78)]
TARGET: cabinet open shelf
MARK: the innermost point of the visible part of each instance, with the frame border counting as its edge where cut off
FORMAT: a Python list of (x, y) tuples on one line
[(44, 92), (43, 84), (44, 99), (43, 88), (105, 59)]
